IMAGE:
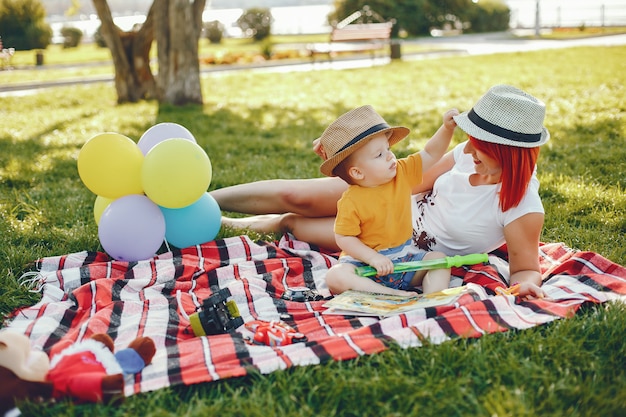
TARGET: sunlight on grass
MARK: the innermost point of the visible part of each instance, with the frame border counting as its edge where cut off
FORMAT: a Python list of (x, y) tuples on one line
[(260, 126)]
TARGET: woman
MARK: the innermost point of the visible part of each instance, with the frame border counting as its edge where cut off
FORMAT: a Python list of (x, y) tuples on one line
[(482, 194)]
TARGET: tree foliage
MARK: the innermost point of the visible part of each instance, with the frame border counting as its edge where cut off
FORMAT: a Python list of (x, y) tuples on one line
[(418, 17), (23, 25), (489, 15)]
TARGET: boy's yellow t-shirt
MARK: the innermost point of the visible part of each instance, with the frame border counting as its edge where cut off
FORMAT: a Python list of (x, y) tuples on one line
[(381, 216)]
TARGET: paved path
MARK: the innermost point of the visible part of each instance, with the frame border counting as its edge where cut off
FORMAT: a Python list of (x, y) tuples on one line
[(480, 44), (477, 44)]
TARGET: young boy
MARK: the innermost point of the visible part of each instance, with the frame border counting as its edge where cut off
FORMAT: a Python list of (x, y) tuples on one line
[(373, 224)]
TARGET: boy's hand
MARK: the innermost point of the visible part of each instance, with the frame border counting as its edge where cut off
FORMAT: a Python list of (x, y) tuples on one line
[(383, 265), (319, 149), (530, 290), (448, 120)]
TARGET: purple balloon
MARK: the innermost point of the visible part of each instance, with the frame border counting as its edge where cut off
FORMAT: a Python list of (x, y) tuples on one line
[(160, 132), (131, 228)]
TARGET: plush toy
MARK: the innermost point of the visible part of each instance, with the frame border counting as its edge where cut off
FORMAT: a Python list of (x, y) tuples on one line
[(22, 371), (88, 370)]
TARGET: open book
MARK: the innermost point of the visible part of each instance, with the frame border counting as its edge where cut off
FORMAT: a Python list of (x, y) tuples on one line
[(359, 303)]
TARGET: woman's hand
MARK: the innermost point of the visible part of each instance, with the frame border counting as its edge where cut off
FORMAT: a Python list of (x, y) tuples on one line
[(319, 149)]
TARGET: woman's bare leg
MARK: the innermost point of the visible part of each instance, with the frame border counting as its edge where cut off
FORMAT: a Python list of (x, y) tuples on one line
[(314, 197), (315, 230)]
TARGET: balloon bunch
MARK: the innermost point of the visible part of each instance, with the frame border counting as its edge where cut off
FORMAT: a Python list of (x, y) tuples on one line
[(149, 191)]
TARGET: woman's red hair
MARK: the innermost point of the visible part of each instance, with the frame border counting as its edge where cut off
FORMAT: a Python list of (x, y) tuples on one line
[(518, 165)]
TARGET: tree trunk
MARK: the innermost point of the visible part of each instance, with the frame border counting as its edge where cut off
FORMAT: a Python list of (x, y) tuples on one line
[(131, 55), (178, 26)]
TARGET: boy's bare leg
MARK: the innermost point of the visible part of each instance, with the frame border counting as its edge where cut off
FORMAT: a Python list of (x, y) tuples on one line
[(342, 277), (433, 280), (314, 197)]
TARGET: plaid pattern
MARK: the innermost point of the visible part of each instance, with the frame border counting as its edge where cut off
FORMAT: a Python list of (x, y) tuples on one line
[(85, 293)]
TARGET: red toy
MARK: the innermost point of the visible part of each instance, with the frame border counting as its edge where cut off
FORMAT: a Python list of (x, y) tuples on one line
[(90, 371), (22, 371), (273, 333), (87, 370)]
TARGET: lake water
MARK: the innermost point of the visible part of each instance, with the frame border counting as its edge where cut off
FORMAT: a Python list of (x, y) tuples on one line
[(312, 19)]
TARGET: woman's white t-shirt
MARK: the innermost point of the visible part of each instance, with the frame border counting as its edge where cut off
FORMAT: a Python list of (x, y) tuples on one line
[(457, 218)]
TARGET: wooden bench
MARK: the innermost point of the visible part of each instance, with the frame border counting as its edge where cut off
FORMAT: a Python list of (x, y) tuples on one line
[(358, 37)]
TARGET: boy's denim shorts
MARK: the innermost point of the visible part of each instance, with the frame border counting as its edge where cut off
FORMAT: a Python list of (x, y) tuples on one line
[(403, 253)]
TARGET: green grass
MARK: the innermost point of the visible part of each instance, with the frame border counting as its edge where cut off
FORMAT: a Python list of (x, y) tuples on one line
[(583, 32), (260, 125)]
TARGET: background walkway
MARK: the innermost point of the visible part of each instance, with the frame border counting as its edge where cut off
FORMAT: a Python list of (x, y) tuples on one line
[(475, 44)]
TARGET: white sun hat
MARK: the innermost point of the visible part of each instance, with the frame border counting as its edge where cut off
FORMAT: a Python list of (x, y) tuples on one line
[(508, 116)]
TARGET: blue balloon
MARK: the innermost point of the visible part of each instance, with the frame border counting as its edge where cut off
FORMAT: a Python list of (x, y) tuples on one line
[(194, 224)]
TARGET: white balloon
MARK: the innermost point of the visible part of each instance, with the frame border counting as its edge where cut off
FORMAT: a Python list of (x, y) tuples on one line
[(160, 132)]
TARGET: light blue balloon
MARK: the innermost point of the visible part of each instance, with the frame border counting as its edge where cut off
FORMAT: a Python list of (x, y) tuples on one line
[(194, 224)]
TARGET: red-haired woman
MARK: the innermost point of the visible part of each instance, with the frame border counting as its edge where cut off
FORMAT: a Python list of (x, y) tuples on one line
[(479, 196)]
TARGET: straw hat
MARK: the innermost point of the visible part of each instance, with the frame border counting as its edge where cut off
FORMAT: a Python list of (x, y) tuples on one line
[(508, 116), (351, 131)]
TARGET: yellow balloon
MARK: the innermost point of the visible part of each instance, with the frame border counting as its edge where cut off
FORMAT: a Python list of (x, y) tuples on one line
[(109, 164), (176, 173), (99, 206)]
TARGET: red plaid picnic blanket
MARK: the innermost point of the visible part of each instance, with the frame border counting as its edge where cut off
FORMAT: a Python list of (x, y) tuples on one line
[(87, 292)]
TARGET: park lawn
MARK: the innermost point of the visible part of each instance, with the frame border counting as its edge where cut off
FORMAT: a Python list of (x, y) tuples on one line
[(260, 126)]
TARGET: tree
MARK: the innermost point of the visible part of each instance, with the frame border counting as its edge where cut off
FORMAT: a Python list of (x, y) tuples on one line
[(488, 15), (130, 52), (23, 25), (418, 17), (178, 31), (176, 25)]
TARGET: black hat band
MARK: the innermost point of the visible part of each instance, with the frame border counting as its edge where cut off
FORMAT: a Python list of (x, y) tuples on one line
[(368, 132), (502, 132)]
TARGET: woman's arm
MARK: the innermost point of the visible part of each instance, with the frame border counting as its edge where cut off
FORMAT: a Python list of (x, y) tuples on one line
[(522, 240)]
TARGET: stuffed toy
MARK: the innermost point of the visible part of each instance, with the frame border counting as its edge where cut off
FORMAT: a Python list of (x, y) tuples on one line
[(86, 371), (22, 371), (90, 371)]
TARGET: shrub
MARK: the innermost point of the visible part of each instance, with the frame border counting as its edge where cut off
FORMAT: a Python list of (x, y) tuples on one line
[(71, 36), (256, 23), (98, 38), (214, 31)]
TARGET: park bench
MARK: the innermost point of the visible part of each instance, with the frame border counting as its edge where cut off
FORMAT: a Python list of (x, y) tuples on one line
[(356, 37)]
